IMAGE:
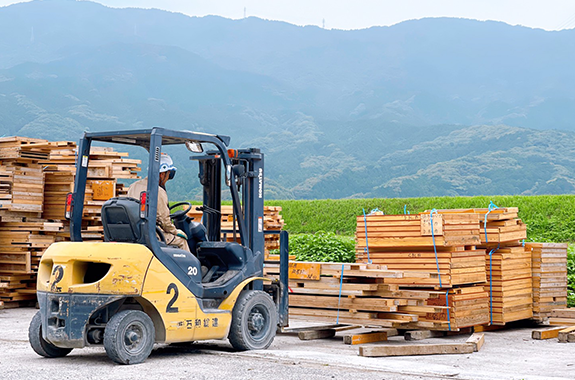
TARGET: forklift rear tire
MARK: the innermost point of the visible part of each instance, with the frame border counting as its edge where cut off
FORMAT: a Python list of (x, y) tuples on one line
[(39, 345), (129, 337), (254, 321)]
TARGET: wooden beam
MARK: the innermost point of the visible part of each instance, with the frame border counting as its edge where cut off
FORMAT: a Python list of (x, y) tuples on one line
[(541, 334), (482, 328), (422, 334), (416, 349), (476, 340), (316, 334), (563, 334), (289, 330), (366, 337)]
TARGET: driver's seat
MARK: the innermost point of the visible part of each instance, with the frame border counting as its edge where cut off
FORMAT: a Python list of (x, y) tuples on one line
[(121, 220)]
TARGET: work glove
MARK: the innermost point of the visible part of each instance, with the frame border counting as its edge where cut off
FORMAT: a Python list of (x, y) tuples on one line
[(182, 234)]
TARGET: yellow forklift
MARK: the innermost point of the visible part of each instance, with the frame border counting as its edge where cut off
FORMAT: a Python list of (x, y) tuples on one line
[(134, 290)]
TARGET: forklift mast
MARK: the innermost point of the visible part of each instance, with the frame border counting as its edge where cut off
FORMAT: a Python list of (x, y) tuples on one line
[(248, 172)]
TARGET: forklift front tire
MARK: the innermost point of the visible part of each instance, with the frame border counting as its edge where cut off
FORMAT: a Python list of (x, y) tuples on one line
[(254, 320), (129, 337), (39, 345)]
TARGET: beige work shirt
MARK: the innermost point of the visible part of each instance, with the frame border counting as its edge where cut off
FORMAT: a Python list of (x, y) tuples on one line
[(163, 215)]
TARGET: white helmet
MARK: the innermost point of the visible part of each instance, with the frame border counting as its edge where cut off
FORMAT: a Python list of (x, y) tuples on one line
[(166, 164)]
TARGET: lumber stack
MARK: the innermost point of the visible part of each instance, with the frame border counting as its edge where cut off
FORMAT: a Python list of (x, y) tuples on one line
[(105, 166), (549, 271), (35, 177), (418, 230), (562, 317), (508, 264), (406, 242), (468, 306), (17, 290), (273, 221), (457, 265), (21, 177), (367, 295)]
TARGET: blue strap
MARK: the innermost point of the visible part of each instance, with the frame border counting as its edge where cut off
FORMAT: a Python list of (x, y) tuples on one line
[(405, 212), (339, 298), (490, 208), (434, 247), (447, 303), (366, 241), (491, 285)]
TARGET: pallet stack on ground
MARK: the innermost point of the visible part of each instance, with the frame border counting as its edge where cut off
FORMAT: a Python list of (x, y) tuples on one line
[(457, 265), (105, 166), (273, 221), (31, 222), (21, 176), (406, 242), (549, 271), (508, 264), (17, 290), (392, 231), (562, 317), (364, 294)]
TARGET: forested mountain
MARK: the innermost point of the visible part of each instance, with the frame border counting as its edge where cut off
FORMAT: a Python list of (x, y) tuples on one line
[(425, 107)]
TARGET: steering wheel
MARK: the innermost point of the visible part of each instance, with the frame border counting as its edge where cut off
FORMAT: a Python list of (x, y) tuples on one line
[(180, 213)]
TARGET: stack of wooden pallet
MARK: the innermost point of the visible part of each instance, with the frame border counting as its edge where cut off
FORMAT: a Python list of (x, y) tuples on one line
[(21, 177), (549, 270), (22, 244), (457, 265), (365, 294), (468, 306), (406, 242), (419, 230), (562, 317), (35, 177), (17, 290), (105, 166), (508, 264), (442, 244), (273, 221)]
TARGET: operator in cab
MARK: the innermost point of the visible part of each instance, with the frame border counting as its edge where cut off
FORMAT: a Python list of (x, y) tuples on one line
[(173, 236)]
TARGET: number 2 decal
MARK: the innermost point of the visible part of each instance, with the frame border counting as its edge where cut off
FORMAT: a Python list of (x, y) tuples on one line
[(169, 308), (58, 274)]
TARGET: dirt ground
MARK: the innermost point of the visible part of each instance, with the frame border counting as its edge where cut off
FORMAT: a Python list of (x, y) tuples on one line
[(506, 354)]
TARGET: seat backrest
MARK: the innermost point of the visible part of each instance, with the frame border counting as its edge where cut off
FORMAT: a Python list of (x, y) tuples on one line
[(226, 254), (121, 220)]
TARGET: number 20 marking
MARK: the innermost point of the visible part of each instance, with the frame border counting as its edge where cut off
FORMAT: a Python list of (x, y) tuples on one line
[(192, 271)]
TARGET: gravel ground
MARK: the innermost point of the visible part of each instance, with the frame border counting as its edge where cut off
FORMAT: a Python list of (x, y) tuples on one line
[(508, 354)]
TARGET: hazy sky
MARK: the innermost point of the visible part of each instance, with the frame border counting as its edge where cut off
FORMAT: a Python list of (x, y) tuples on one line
[(357, 14)]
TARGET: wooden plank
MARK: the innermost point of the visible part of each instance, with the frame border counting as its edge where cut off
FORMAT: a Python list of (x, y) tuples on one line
[(476, 340), (541, 334), (422, 334), (304, 271), (562, 335), (366, 337), (316, 334), (416, 349), (288, 330)]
